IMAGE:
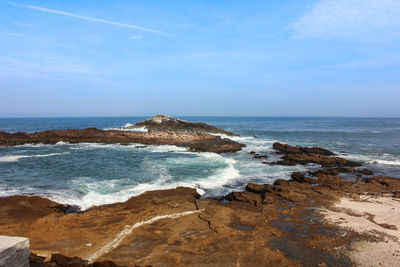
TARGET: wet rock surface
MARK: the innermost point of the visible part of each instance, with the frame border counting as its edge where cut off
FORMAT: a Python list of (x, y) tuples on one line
[(273, 225), (305, 155), (59, 260), (194, 141)]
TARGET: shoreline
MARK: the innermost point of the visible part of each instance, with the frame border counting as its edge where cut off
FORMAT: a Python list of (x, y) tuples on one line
[(285, 213), (290, 223), (316, 218)]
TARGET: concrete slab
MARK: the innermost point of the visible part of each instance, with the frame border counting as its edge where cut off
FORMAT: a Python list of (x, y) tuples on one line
[(14, 251)]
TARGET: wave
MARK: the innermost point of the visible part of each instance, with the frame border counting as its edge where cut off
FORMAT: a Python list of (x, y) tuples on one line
[(14, 158), (386, 162), (138, 130), (252, 143), (126, 128), (83, 146), (234, 138), (162, 148), (87, 192), (373, 159)]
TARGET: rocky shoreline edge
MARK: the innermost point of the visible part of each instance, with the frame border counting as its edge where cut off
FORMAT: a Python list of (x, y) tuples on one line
[(314, 219), (160, 130)]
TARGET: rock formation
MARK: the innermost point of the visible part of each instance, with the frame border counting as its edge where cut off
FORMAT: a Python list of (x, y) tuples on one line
[(304, 155), (277, 225), (284, 224), (162, 122), (193, 141)]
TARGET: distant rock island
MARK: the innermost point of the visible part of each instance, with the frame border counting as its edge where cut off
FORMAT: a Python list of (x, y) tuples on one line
[(163, 130), (162, 122)]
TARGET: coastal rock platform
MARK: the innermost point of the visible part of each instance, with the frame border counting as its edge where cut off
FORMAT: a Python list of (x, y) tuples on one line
[(193, 141), (290, 223), (316, 218)]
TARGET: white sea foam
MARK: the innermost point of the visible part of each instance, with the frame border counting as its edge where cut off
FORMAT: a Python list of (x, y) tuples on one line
[(34, 145), (13, 158), (234, 138), (62, 143), (95, 192), (252, 143), (386, 162), (165, 148), (138, 129), (385, 159), (127, 128)]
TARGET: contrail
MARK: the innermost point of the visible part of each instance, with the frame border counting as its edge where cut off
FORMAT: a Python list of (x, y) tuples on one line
[(68, 14)]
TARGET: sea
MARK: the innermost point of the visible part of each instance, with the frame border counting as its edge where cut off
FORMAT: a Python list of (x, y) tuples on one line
[(91, 174)]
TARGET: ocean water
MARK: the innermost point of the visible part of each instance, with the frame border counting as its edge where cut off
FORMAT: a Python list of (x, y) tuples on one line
[(95, 174)]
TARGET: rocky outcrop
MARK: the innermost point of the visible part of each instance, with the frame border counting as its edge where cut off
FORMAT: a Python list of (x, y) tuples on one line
[(162, 122), (336, 171), (304, 155), (193, 141), (274, 225), (287, 149), (262, 225)]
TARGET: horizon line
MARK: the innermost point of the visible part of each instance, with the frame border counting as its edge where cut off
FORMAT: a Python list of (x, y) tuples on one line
[(211, 116)]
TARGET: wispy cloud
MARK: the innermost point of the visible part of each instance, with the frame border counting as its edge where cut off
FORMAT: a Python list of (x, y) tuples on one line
[(11, 68), (26, 25), (358, 20), (135, 37), (68, 14), (40, 40)]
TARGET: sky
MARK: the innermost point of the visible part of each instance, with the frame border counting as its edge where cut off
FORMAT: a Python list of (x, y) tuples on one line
[(205, 58)]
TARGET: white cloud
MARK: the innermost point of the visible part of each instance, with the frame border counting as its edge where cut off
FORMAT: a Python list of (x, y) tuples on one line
[(360, 20), (68, 14), (136, 37)]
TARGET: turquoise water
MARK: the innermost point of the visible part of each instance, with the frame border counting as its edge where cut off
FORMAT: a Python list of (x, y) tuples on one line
[(95, 174)]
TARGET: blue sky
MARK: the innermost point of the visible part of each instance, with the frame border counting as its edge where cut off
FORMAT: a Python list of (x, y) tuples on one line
[(263, 58)]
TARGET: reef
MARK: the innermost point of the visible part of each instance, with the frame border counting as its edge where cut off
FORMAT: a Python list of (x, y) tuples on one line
[(172, 135), (305, 155)]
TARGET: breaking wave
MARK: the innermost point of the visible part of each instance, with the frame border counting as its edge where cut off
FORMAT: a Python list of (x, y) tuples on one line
[(14, 158)]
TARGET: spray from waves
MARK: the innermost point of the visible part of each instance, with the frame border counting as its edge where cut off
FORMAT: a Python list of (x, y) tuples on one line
[(222, 176), (87, 192), (387, 162), (129, 127), (132, 146), (14, 158), (164, 148), (234, 138), (252, 143)]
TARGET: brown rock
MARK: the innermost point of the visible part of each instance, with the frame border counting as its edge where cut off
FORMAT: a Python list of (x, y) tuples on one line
[(287, 149), (162, 122), (194, 141)]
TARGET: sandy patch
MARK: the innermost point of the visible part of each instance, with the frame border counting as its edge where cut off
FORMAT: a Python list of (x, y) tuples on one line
[(374, 216)]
